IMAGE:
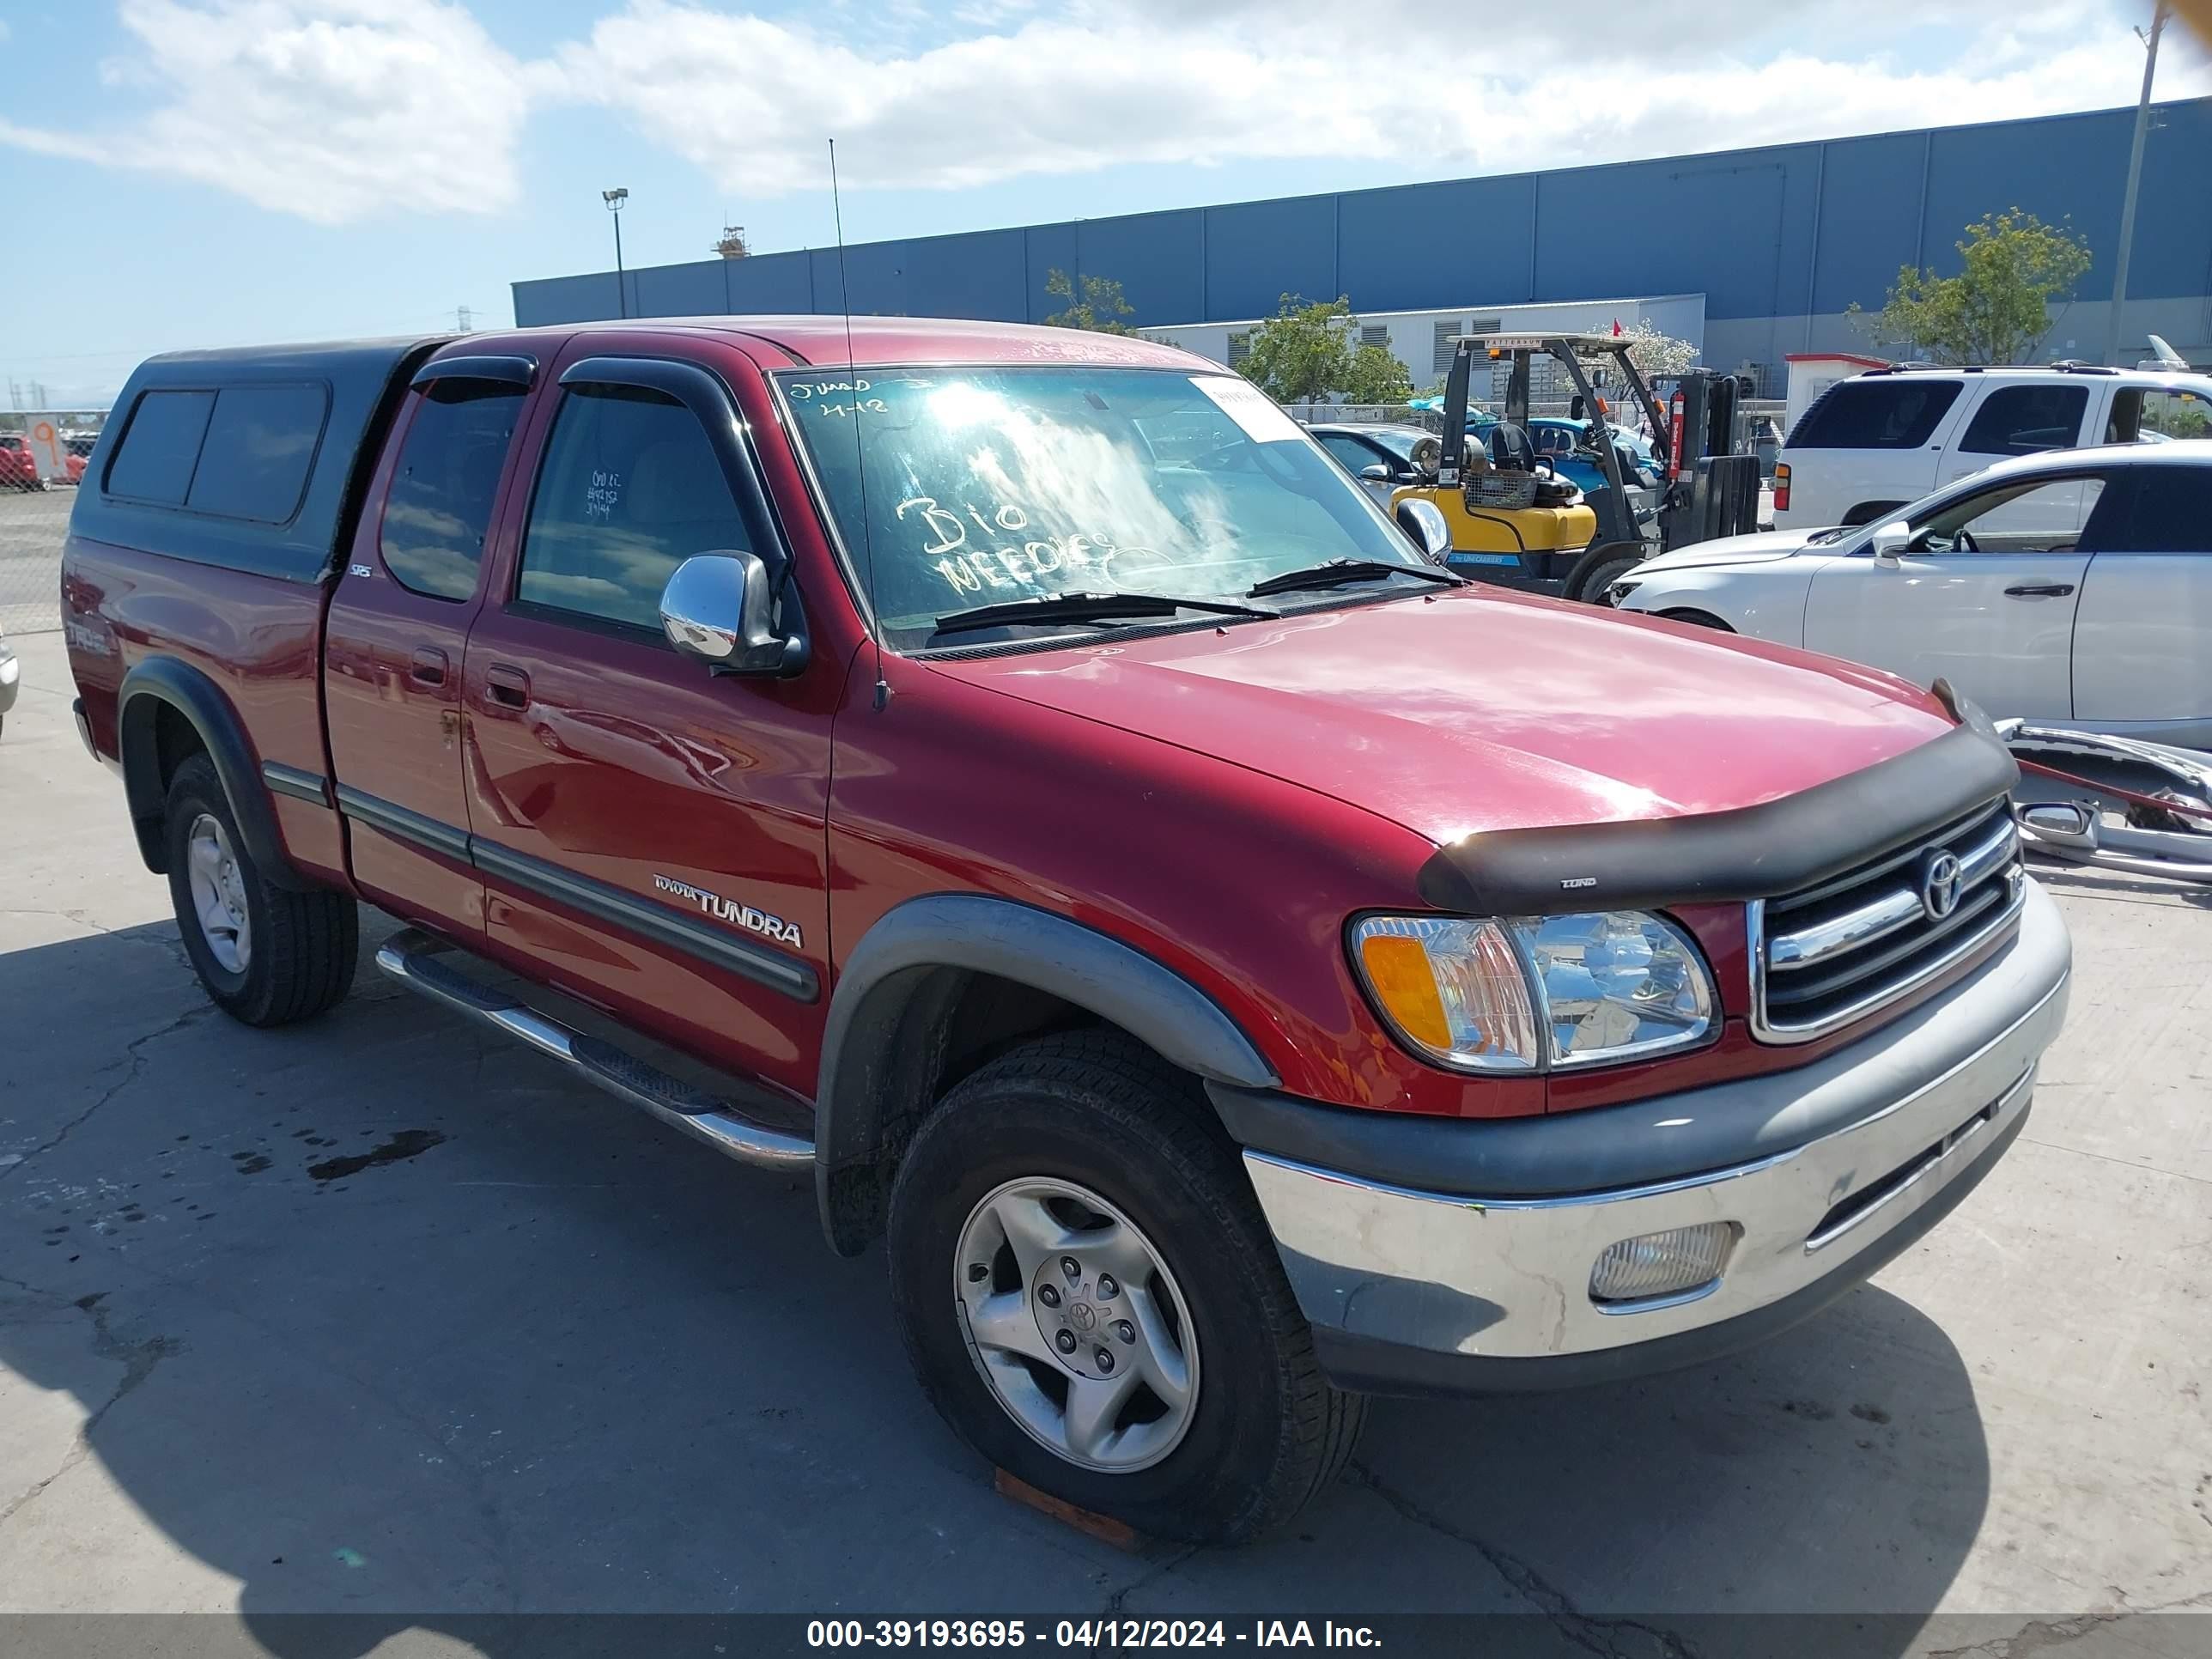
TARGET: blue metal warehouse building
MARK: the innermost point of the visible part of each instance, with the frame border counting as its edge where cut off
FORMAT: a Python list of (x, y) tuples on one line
[(1779, 241)]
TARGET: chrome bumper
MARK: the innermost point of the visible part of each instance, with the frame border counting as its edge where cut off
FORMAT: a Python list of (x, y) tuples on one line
[(1508, 1278)]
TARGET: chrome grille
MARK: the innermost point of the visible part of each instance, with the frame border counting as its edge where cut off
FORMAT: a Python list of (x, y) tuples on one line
[(1832, 953)]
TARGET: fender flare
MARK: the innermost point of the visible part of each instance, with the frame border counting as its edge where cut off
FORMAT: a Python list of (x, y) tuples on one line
[(872, 1039), (191, 693)]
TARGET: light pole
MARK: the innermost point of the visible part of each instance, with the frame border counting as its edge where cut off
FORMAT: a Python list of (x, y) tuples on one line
[(2135, 181), (614, 199)]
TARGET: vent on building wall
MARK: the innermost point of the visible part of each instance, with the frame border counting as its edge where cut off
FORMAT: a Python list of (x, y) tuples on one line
[(1446, 331), (1375, 334), (1240, 348)]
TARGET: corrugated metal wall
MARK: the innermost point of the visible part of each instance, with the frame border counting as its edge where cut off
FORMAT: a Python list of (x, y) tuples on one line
[(1774, 238)]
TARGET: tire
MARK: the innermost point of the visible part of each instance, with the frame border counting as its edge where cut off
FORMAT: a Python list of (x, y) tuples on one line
[(299, 948), (1598, 568), (1868, 512), (1698, 618), (1263, 1430)]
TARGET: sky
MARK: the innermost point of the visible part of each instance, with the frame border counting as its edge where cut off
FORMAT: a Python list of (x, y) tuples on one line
[(221, 172)]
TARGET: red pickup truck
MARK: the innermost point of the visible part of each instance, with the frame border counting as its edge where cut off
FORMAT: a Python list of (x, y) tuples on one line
[(1018, 776)]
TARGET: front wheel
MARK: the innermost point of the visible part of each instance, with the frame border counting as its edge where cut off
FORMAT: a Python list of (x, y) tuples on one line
[(1091, 1297), (1599, 568)]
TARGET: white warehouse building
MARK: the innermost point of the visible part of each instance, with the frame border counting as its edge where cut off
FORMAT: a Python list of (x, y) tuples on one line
[(1422, 339)]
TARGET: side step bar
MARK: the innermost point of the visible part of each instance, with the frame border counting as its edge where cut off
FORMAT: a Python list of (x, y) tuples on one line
[(416, 960)]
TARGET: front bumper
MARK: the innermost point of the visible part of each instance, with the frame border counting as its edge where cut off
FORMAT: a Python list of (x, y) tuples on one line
[(1480, 1281)]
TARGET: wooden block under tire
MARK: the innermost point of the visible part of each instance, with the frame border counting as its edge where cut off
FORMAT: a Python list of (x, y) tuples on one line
[(1103, 1527)]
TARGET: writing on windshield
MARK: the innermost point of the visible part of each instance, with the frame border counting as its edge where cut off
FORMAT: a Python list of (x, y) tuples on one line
[(958, 487)]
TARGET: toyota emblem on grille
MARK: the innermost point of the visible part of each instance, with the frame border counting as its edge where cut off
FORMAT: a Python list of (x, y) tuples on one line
[(1939, 884)]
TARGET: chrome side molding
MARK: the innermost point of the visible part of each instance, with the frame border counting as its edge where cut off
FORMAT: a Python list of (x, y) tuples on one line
[(420, 962)]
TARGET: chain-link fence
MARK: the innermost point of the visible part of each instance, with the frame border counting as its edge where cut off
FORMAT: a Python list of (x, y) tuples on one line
[(42, 455)]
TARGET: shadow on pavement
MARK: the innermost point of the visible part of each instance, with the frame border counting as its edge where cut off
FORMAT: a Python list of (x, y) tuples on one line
[(372, 1318)]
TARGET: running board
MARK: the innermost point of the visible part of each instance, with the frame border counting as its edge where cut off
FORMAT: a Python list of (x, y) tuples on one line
[(418, 961)]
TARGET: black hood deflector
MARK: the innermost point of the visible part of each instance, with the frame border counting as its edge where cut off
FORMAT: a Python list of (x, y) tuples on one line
[(1754, 852)]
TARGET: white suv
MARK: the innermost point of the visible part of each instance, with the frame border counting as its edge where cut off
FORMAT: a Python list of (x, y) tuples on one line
[(1872, 443)]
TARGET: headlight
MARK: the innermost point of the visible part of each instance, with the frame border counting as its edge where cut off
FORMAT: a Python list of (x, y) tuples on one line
[(1526, 993)]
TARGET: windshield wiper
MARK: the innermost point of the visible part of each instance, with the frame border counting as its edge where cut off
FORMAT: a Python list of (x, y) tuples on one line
[(1336, 573), (1087, 607)]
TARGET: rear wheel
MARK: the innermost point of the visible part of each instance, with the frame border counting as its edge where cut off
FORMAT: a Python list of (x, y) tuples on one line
[(268, 956), (1091, 1299)]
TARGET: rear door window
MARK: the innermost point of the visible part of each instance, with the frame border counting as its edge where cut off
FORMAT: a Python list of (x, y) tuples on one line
[(2023, 419), (1888, 412), (161, 448), (2150, 414), (438, 510), (260, 444), (629, 488), (2171, 512)]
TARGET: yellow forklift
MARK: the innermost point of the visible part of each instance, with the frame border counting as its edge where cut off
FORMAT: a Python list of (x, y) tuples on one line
[(1513, 520)]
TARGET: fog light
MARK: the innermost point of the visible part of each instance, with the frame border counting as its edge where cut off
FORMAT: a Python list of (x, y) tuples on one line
[(1661, 1264)]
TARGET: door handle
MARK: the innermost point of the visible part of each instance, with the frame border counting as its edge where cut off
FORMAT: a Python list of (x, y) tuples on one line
[(507, 686), (427, 667), (2038, 590)]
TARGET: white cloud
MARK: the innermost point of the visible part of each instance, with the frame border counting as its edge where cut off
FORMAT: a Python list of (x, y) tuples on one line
[(329, 109), (1085, 85), (338, 109)]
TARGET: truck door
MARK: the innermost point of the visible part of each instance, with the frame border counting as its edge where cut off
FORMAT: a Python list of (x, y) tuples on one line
[(2140, 657), (1989, 609), (396, 635), (651, 834)]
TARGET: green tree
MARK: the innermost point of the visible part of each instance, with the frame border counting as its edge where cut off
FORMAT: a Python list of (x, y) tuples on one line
[(1997, 309), (1304, 353), (1100, 308), (1376, 377)]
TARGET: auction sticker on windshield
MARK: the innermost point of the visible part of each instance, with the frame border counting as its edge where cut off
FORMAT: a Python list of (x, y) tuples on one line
[(1246, 404)]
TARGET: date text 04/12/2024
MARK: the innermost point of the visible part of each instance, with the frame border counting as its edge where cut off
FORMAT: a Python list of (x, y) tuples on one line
[(1086, 1634)]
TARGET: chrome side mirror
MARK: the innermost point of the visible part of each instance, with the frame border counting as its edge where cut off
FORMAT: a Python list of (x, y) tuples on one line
[(1424, 527), (1376, 473), (2059, 824), (1890, 541), (718, 607)]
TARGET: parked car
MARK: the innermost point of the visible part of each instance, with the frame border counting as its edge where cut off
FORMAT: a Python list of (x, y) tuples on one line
[(2073, 589), (1235, 964), (19, 468), (1380, 457), (1869, 444), (11, 674)]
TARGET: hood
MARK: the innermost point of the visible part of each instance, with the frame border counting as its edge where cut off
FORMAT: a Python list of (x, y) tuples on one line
[(1478, 709), (1768, 544)]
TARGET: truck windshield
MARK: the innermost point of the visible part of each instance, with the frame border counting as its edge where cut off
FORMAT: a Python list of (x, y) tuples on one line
[(985, 485)]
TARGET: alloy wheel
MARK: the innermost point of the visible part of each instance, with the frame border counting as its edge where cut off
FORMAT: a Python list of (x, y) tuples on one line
[(1077, 1325)]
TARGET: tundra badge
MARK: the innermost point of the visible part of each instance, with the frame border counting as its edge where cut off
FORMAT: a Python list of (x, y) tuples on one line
[(740, 915)]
